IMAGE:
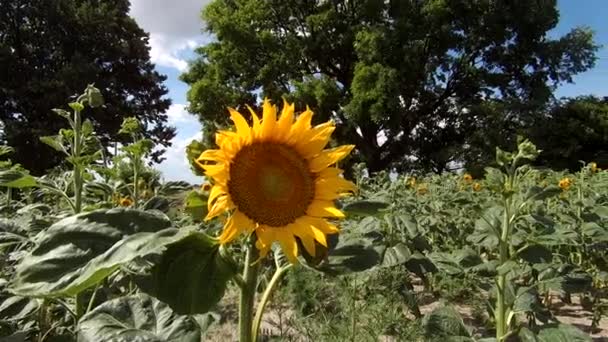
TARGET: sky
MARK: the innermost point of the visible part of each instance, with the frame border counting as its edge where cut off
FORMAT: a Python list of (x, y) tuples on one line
[(176, 30)]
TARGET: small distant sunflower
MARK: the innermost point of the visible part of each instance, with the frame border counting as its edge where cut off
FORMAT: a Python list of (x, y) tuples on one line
[(410, 182), (276, 179), (125, 202), (467, 177), (476, 186), (565, 183), (593, 167), (206, 187)]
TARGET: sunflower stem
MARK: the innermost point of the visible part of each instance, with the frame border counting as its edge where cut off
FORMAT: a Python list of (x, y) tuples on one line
[(250, 277), (257, 322)]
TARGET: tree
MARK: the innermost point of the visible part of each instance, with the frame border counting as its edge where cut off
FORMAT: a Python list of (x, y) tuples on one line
[(571, 131), (404, 70), (51, 50)]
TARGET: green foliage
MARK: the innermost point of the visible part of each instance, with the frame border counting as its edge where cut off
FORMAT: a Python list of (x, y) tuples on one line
[(192, 275), (435, 85), (137, 318), (52, 50), (80, 251), (14, 178)]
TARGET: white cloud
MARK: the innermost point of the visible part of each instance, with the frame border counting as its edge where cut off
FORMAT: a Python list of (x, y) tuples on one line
[(174, 27), (176, 166), (178, 114)]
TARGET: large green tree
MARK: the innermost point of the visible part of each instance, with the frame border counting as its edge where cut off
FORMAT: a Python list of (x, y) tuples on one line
[(50, 51), (571, 131), (407, 71)]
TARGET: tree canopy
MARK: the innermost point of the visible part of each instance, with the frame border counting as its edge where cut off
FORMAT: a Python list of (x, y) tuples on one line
[(400, 77), (51, 50)]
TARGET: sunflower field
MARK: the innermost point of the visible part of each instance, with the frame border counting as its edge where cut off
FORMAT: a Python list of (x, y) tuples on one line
[(277, 245)]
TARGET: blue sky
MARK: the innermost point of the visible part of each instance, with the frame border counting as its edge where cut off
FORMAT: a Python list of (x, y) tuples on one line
[(179, 30)]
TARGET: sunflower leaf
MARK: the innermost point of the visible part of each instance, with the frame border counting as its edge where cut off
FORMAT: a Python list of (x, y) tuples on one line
[(191, 275), (80, 251), (136, 318)]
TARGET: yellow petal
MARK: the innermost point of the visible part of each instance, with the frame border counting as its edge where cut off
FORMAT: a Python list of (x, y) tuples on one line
[(256, 128), (221, 137), (301, 125), (216, 191), (319, 223), (237, 223), (315, 140), (212, 155), (270, 119), (329, 157), (285, 121), (288, 245), (309, 245), (242, 128), (222, 204), (319, 208), (305, 229), (214, 170), (329, 173), (330, 189), (265, 238)]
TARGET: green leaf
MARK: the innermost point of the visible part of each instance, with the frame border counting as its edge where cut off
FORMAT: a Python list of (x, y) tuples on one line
[(487, 229), (11, 233), (99, 189), (81, 250), (54, 141), (396, 255), (487, 269), (174, 187), (192, 275), (365, 208), (537, 193), (536, 254), (196, 205), (76, 106), (420, 265), (527, 300), (507, 267), (445, 322), (351, 255), (93, 96), (137, 318), (16, 179), (16, 308), (561, 333), (157, 203), (73, 276)]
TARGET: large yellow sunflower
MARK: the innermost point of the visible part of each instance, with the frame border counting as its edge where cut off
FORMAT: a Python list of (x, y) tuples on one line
[(276, 179)]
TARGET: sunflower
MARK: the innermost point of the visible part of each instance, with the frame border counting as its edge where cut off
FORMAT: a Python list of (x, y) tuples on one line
[(410, 182), (276, 179), (476, 186), (593, 167), (565, 183), (125, 202)]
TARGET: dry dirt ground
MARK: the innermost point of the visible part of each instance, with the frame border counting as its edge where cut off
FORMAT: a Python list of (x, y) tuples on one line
[(276, 322)]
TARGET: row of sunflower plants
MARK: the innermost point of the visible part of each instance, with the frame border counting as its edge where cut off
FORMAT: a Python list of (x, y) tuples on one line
[(519, 237), (99, 250)]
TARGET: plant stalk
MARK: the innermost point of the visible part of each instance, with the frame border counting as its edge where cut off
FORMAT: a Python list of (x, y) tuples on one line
[(76, 161), (250, 277), (274, 281), (501, 307)]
